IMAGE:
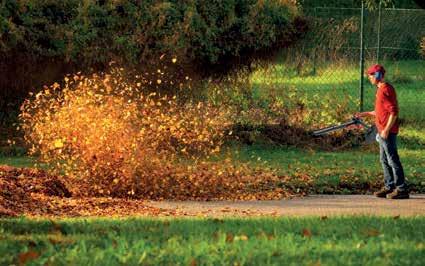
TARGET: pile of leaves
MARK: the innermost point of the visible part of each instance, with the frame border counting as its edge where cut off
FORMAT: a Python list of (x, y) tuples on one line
[(34, 192), (17, 186)]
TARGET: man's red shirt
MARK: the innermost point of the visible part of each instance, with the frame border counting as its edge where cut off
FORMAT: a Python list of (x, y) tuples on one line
[(386, 104)]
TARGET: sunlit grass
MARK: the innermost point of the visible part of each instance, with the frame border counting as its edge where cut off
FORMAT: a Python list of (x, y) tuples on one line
[(253, 241), (331, 166), (340, 81)]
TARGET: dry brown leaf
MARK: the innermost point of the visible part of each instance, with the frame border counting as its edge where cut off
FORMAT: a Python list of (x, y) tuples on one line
[(372, 232), (307, 233), (28, 256), (229, 237)]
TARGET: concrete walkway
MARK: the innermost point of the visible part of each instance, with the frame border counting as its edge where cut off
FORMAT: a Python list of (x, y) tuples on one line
[(321, 205)]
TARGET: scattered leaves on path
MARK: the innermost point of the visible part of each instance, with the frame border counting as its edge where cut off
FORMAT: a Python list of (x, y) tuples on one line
[(34, 192)]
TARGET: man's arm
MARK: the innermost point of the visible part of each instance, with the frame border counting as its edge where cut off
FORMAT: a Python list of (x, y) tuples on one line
[(391, 120), (391, 106), (363, 114)]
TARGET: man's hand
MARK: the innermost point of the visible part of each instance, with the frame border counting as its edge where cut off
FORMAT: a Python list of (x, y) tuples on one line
[(384, 133), (363, 114), (359, 115)]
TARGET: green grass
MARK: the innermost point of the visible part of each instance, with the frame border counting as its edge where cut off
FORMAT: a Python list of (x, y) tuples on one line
[(253, 241), (408, 77), (331, 167), (361, 163), (17, 161)]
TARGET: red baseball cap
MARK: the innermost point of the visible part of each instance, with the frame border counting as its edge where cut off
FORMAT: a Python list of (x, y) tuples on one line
[(375, 68)]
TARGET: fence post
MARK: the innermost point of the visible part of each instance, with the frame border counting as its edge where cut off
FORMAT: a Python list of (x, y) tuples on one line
[(378, 50), (315, 48), (361, 57)]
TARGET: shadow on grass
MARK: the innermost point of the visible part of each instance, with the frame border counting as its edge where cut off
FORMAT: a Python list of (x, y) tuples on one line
[(412, 142), (281, 134)]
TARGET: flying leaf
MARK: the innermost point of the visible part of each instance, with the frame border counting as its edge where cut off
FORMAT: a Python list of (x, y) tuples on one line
[(58, 144)]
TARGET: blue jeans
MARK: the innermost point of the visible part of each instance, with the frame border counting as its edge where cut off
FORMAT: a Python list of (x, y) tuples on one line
[(393, 170)]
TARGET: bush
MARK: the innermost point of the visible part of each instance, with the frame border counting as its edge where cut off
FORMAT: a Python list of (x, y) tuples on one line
[(91, 32), (371, 4)]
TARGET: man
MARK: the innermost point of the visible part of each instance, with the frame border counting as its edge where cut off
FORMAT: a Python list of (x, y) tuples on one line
[(386, 121)]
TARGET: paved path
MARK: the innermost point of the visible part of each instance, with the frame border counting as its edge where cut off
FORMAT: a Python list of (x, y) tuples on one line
[(322, 205)]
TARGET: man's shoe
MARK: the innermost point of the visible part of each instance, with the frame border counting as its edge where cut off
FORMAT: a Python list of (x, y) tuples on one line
[(398, 194), (383, 192)]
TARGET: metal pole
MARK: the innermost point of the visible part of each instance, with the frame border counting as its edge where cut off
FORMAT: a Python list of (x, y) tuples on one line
[(314, 49), (361, 57), (378, 50)]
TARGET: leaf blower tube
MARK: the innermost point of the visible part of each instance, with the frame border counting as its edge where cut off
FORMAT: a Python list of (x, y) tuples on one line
[(369, 135)]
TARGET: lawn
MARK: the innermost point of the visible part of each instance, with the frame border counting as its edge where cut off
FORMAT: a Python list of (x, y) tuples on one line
[(360, 164), (408, 77), (234, 241)]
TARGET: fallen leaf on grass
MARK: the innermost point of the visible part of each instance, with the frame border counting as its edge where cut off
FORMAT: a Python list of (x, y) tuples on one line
[(270, 237), (316, 264), (166, 223), (241, 238), (371, 232), (226, 209), (217, 220), (56, 228), (229, 238), (265, 235), (307, 232), (360, 245), (27, 256)]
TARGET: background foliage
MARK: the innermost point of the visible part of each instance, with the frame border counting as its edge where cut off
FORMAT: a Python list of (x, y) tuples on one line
[(42, 40), (90, 32)]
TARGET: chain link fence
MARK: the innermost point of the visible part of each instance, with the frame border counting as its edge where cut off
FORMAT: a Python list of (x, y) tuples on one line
[(328, 61)]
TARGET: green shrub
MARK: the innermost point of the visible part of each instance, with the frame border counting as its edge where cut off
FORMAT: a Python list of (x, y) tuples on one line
[(372, 4), (91, 32)]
